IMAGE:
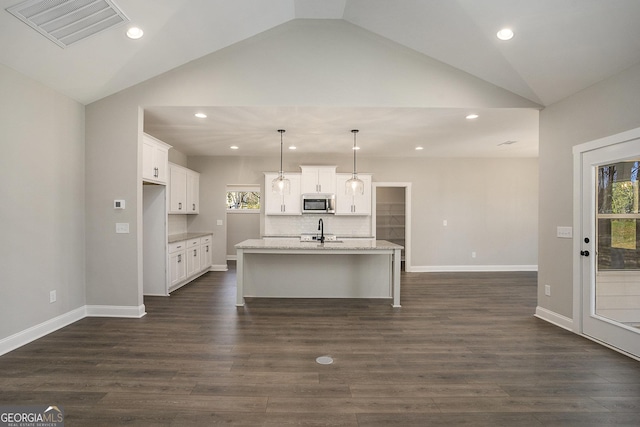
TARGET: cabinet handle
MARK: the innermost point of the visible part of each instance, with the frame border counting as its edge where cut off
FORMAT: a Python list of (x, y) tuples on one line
[(194, 206), (179, 257), (155, 172), (195, 252), (179, 206), (207, 248)]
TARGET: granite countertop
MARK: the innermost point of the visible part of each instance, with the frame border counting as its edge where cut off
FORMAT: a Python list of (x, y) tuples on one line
[(283, 243), (186, 236)]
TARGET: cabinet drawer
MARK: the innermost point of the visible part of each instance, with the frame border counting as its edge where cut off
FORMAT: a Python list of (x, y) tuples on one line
[(205, 240), (177, 246), (193, 242)]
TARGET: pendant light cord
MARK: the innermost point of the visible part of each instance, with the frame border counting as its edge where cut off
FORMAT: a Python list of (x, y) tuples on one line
[(281, 132), (355, 131)]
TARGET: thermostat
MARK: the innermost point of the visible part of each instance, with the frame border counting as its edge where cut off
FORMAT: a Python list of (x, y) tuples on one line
[(118, 204)]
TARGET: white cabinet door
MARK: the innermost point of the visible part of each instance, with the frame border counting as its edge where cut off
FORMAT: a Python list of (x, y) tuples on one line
[(155, 155), (193, 192), (206, 258), (318, 179), (193, 260), (287, 204), (177, 268), (347, 204), (177, 189)]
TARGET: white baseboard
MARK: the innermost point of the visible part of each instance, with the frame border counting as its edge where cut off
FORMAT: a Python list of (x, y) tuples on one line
[(469, 268), (116, 311), (554, 318), (219, 267), (38, 331)]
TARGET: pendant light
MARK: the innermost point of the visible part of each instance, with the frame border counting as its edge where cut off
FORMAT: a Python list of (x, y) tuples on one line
[(281, 184), (354, 185)]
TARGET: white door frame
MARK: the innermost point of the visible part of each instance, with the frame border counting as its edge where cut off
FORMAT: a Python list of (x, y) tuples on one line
[(407, 216), (582, 229)]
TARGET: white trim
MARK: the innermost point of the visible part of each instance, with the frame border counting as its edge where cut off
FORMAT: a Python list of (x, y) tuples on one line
[(115, 311), (554, 318), (38, 331), (219, 267), (232, 257), (606, 141), (470, 268)]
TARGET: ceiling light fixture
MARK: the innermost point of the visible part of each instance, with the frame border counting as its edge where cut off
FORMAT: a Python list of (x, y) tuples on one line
[(354, 185), (135, 33), (472, 116), (234, 147), (505, 34), (419, 148), (292, 147), (281, 184), (200, 115)]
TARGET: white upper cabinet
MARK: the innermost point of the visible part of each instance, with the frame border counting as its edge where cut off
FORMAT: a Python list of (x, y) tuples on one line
[(184, 190), (155, 155), (193, 192), (347, 204), (318, 179), (285, 204)]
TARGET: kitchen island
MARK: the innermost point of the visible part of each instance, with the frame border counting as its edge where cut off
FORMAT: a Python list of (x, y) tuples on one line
[(290, 268)]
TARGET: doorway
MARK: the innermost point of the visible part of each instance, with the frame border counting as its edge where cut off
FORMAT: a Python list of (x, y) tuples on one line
[(607, 258), (392, 216)]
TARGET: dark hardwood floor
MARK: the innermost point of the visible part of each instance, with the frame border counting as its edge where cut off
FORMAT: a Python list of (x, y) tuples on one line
[(464, 350)]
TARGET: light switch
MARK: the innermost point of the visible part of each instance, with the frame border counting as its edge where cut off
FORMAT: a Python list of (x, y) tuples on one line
[(219, 222), (564, 232), (122, 227), (118, 204)]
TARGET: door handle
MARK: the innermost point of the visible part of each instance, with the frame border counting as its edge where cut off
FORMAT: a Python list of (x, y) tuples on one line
[(584, 253)]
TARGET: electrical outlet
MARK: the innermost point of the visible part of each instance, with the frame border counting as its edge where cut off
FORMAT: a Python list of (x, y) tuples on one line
[(122, 227), (473, 254), (547, 290), (219, 222), (444, 223), (52, 297)]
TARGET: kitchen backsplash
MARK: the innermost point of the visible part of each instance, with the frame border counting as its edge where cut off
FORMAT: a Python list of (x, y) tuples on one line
[(177, 224), (355, 226)]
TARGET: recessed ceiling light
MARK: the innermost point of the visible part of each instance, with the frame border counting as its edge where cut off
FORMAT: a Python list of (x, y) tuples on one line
[(292, 147), (472, 116), (200, 115), (505, 34), (356, 148), (234, 147), (135, 33), (419, 148)]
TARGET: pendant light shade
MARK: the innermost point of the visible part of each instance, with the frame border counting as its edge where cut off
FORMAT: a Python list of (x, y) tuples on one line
[(281, 184), (354, 185)]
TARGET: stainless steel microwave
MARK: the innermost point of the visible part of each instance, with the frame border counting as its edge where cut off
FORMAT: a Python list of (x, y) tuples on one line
[(319, 203)]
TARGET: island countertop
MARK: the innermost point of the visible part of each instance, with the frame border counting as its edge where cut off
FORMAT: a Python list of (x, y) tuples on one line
[(295, 244)]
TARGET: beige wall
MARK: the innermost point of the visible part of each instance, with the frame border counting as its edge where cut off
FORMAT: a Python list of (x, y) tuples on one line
[(604, 109), (42, 220)]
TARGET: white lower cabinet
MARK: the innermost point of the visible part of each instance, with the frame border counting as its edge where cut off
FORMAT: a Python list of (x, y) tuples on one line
[(177, 264), (189, 259)]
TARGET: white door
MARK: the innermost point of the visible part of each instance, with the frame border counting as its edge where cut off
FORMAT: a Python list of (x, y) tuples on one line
[(609, 245)]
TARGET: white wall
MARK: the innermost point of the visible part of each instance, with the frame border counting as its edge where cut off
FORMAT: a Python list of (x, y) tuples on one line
[(302, 62), (604, 109), (42, 220)]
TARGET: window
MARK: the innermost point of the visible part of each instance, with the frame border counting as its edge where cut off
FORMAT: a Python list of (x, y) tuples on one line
[(243, 198), (618, 216)]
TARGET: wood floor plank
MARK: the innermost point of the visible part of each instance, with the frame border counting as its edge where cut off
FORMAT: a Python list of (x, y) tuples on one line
[(464, 350)]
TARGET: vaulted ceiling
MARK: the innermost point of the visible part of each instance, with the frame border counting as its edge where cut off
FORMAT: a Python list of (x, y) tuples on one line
[(560, 46)]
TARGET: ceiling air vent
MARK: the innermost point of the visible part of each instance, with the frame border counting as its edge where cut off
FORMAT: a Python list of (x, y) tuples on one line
[(66, 22)]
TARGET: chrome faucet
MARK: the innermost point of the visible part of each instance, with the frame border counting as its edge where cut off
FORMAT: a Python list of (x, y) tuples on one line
[(321, 228)]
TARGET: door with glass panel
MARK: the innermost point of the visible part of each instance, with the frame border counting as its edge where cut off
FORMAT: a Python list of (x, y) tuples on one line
[(610, 245)]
